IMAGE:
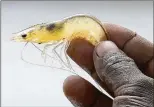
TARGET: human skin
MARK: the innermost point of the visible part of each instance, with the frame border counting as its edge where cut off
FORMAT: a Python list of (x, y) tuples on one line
[(133, 45)]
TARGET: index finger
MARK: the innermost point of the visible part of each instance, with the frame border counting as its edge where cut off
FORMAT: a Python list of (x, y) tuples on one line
[(135, 46)]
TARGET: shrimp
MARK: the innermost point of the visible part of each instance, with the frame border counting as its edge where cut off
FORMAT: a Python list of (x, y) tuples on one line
[(63, 32), (79, 26)]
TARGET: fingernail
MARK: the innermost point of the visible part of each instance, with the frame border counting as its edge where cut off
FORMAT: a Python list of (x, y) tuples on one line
[(104, 47), (74, 102)]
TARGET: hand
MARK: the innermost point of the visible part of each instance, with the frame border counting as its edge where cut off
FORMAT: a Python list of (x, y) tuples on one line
[(123, 67)]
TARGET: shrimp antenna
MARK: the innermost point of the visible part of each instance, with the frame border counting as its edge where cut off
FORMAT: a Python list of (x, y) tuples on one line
[(51, 66), (38, 64)]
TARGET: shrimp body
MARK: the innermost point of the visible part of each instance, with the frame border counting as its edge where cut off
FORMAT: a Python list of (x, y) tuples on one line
[(79, 26), (85, 27)]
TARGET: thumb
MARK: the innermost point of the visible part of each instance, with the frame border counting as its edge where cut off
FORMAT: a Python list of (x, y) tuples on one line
[(122, 76)]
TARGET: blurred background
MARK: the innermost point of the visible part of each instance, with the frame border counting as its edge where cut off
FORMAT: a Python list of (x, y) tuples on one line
[(28, 85)]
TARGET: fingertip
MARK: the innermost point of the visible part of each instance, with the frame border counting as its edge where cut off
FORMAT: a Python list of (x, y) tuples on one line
[(69, 83), (101, 50), (105, 47), (79, 91), (81, 51)]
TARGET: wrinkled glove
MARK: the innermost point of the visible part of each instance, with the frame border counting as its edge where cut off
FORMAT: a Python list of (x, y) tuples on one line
[(130, 86)]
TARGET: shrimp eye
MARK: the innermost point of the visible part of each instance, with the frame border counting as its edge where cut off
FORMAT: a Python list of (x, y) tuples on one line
[(24, 35)]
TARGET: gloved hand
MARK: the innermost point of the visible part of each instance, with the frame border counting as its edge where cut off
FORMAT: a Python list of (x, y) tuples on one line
[(121, 66), (130, 86)]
